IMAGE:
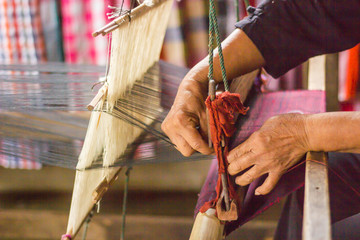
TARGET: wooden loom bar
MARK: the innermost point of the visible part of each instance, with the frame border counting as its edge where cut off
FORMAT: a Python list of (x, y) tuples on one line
[(316, 221), (137, 12)]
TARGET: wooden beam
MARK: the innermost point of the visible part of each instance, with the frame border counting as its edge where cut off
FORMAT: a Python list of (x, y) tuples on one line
[(316, 221), (323, 74), (332, 82)]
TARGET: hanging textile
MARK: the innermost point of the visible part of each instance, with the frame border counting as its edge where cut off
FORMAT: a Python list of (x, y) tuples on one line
[(349, 75), (186, 42), (80, 18), (21, 41), (51, 25), (352, 73), (173, 50), (21, 34)]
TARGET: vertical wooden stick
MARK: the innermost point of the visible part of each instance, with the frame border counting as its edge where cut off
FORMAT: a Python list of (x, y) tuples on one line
[(316, 221), (207, 227)]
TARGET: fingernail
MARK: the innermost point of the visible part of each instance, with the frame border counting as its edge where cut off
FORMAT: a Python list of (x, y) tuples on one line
[(257, 193)]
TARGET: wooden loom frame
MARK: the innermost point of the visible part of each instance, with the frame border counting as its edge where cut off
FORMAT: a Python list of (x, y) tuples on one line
[(96, 186), (312, 170)]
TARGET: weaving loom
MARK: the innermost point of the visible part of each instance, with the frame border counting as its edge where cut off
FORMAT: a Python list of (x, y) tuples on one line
[(136, 43), (117, 114)]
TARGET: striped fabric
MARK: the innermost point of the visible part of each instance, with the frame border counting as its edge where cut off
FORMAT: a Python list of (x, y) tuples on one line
[(79, 19), (50, 20), (173, 50), (77, 23), (186, 37), (21, 36), (20, 160), (21, 41)]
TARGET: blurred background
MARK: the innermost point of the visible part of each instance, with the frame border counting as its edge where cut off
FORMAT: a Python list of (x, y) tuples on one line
[(35, 198)]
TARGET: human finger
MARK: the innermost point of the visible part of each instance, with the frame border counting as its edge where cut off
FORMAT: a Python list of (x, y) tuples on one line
[(249, 176), (193, 137), (269, 184), (240, 164), (181, 145), (238, 152)]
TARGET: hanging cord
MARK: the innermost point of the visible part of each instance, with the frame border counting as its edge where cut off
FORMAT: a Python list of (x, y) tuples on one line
[(124, 207), (237, 8), (214, 31), (247, 4), (88, 219)]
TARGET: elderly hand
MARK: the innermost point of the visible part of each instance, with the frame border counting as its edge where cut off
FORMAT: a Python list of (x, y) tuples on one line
[(186, 124), (272, 150)]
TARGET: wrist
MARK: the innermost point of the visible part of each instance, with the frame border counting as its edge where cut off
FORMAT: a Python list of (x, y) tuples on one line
[(299, 123)]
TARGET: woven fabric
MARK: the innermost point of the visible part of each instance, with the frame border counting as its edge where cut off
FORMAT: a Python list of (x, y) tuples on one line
[(21, 36), (50, 21), (173, 50), (21, 41), (80, 18), (262, 107), (19, 161), (186, 37)]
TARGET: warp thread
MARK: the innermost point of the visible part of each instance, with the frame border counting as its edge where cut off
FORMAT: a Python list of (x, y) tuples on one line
[(332, 170)]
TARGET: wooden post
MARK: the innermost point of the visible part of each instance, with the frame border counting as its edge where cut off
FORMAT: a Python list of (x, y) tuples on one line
[(316, 221), (322, 72)]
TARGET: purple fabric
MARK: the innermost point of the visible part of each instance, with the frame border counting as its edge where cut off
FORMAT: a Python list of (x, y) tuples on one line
[(262, 107)]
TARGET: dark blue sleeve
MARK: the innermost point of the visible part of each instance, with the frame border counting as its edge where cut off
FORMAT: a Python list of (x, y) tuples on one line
[(288, 32)]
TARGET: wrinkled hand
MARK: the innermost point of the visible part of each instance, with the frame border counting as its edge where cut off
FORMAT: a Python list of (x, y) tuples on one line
[(272, 150), (186, 124)]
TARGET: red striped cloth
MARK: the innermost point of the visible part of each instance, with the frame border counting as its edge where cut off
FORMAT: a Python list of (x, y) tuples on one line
[(21, 35), (80, 18), (21, 41)]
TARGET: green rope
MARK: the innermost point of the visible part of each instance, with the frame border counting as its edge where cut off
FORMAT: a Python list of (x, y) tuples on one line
[(87, 221), (247, 4), (237, 8), (214, 31)]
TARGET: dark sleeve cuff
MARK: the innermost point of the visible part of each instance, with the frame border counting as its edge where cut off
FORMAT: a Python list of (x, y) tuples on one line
[(287, 33)]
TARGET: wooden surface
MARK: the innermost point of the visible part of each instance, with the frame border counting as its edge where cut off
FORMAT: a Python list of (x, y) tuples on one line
[(323, 74), (316, 71), (243, 84), (316, 221), (332, 82)]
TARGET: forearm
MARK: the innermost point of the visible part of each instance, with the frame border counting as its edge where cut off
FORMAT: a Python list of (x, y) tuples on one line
[(335, 131), (240, 56)]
